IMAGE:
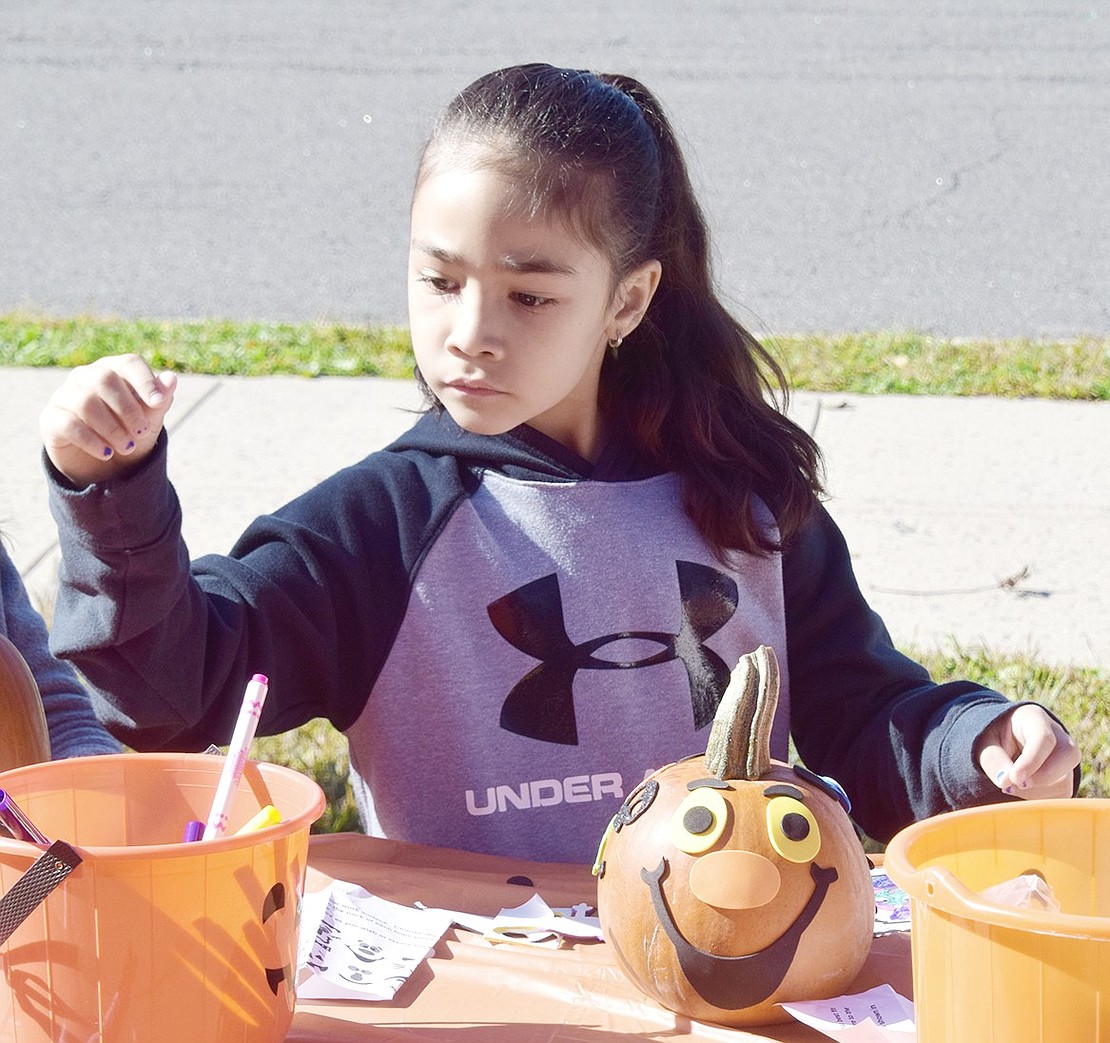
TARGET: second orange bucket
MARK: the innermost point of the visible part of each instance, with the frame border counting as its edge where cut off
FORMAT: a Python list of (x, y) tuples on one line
[(984, 972)]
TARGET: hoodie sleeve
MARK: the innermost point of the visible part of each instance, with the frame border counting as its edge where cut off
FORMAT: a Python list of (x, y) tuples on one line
[(311, 596), (864, 713)]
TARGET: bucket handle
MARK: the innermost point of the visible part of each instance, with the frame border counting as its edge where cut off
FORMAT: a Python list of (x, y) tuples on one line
[(31, 889), (946, 892)]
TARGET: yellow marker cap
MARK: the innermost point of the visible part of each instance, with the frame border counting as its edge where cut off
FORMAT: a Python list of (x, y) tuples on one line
[(268, 816)]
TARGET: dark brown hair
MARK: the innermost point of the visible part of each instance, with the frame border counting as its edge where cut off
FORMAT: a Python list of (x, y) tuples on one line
[(699, 394)]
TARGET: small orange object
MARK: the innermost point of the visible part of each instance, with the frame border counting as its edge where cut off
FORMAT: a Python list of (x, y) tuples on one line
[(24, 738)]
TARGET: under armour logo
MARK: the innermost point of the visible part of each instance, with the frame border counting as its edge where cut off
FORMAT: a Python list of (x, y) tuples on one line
[(541, 704)]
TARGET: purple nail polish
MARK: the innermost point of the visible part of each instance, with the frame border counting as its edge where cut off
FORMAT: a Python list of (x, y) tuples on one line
[(130, 445), (107, 451)]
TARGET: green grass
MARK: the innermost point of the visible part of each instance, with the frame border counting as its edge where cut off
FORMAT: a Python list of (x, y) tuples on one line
[(875, 363), (210, 346), (911, 364), (318, 750)]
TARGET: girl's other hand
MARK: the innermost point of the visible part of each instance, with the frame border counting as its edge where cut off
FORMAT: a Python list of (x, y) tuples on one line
[(105, 418), (1028, 754)]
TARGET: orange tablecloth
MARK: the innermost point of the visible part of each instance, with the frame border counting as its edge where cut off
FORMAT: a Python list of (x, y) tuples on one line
[(471, 990)]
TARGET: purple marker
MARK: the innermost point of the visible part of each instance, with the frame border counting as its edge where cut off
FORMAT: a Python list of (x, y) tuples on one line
[(18, 824), (194, 830)]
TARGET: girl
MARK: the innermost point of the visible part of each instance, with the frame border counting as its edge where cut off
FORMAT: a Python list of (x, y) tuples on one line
[(535, 596), (73, 727)]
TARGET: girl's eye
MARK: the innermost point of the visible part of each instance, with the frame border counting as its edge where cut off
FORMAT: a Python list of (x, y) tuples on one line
[(437, 283), (699, 821), (531, 300), (793, 829)]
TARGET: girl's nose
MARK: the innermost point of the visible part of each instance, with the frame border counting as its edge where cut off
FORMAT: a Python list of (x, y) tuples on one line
[(474, 329)]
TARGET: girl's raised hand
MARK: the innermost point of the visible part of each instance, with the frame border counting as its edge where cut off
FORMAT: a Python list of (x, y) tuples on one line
[(1028, 754), (105, 418)]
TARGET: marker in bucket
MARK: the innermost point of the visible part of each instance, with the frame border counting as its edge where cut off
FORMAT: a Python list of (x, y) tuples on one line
[(268, 816), (253, 698), (18, 824), (194, 830)]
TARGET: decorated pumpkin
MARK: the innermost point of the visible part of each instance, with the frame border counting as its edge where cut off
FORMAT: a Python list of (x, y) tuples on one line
[(730, 882)]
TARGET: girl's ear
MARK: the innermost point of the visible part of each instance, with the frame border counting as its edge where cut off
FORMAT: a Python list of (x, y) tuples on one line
[(633, 296)]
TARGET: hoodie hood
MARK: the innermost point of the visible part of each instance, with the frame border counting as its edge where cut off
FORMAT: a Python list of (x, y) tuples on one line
[(522, 453)]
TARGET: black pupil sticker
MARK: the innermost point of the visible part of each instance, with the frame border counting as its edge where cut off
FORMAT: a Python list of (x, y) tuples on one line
[(698, 820), (795, 826)]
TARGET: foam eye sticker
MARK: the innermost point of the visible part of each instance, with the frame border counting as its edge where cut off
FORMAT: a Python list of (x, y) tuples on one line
[(699, 821), (792, 829)]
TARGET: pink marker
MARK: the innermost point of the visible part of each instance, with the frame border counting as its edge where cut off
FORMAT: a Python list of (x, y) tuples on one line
[(253, 699)]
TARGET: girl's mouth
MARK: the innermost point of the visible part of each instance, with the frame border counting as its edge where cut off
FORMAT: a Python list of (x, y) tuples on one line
[(473, 388)]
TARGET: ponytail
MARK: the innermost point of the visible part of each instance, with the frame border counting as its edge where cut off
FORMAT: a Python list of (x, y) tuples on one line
[(698, 391)]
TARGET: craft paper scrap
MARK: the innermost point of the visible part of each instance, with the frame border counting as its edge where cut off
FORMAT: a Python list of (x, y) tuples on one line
[(535, 919), (892, 904), (354, 945), (534, 922), (879, 1015)]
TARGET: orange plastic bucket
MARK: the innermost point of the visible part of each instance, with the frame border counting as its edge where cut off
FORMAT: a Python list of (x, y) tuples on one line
[(150, 939), (983, 971)]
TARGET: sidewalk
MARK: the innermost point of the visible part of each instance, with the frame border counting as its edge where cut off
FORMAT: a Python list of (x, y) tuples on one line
[(986, 520)]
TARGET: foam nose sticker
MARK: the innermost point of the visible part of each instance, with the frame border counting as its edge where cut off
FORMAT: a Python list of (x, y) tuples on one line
[(734, 880)]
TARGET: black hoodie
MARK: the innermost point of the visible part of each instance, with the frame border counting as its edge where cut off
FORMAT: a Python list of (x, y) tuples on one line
[(510, 636)]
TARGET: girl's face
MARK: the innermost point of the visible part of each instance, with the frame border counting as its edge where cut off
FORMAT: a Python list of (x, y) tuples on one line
[(510, 317)]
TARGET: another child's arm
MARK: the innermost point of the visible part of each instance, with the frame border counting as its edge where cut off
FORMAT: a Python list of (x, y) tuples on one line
[(105, 418), (73, 727)]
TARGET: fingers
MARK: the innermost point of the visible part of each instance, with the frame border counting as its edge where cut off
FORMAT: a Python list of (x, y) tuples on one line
[(1028, 754), (106, 416), (1048, 755), (995, 762)]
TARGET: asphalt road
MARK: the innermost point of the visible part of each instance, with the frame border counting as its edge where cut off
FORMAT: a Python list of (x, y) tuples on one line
[(865, 163)]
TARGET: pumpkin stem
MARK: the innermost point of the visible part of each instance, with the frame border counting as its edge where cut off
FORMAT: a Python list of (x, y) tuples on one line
[(739, 744)]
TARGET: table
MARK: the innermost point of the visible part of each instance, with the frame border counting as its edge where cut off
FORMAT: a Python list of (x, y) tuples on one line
[(470, 990)]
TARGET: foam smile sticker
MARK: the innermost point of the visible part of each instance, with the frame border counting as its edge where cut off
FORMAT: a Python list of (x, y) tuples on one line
[(734, 982)]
